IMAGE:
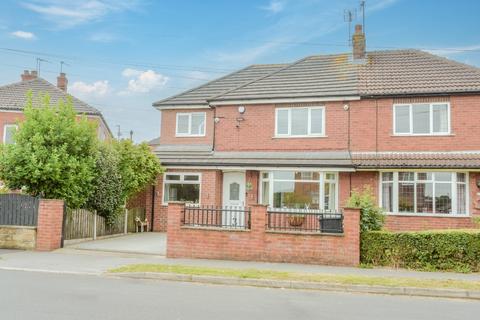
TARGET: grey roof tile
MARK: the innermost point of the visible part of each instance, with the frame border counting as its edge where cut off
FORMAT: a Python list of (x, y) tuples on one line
[(389, 72), (199, 95), (14, 96), (465, 160)]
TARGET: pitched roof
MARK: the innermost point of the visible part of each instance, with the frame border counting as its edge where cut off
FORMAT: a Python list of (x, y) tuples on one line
[(14, 96), (398, 72), (199, 95), (316, 76), (389, 72)]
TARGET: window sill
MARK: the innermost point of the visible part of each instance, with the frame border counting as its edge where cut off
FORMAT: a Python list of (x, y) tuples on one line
[(299, 137), (430, 215), (423, 135), (189, 136)]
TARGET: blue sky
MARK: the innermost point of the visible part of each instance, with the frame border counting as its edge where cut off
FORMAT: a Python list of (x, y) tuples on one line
[(123, 55)]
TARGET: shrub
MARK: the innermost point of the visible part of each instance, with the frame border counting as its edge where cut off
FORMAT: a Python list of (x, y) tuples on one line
[(371, 215), (457, 250)]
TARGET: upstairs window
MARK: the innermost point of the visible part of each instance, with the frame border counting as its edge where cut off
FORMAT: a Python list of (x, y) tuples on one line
[(300, 122), (421, 119), (190, 124), (8, 133)]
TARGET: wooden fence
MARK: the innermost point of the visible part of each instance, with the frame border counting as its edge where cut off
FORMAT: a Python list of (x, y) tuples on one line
[(18, 210), (84, 224)]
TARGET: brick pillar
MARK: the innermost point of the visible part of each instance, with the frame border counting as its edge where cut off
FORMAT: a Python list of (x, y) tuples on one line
[(257, 245), (174, 216), (351, 230), (49, 225)]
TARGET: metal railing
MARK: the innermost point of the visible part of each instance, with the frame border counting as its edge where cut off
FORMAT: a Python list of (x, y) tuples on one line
[(230, 217), (304, 220)]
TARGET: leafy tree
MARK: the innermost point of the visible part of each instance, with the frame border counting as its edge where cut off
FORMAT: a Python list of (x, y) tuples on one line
[(138, 166), (371, 215), (53, 155), (106, 198)]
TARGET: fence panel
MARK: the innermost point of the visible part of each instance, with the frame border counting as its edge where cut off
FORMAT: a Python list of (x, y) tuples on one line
[(306, 220), (18, 210), (217, 217), (78, 224)]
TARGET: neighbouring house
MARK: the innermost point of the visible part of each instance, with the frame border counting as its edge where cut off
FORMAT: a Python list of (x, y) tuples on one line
[(303, 135), (14, 96)]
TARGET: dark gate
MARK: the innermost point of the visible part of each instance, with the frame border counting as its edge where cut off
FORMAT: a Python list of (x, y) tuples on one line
[(18, 210)]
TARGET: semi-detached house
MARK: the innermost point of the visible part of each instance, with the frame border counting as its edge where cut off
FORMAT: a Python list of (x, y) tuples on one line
[(303, 135)]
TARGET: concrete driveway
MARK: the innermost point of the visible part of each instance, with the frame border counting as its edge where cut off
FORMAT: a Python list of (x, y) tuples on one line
[(143, 243)]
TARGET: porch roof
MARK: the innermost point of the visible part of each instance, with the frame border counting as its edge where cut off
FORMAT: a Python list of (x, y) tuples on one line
[(332, 159), (417, 160)]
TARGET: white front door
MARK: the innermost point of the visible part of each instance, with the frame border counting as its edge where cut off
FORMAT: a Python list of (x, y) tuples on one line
[(233, 199)]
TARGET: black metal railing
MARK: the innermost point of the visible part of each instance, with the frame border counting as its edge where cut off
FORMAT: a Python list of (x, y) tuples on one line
[(304, 220), (217, 217)]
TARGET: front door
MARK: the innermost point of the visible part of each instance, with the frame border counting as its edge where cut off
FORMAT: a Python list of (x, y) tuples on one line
[(233, 199)]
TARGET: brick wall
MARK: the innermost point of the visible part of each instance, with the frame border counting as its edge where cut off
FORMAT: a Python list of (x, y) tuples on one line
[(261, 245), (50, 222), (417, 223), (370, 122)]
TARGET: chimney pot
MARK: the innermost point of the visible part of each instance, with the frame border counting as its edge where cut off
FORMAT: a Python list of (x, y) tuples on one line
[(27, 75), (358, 42), (62, 81)]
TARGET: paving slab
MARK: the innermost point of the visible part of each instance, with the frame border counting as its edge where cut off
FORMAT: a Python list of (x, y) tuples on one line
[(141, 243)]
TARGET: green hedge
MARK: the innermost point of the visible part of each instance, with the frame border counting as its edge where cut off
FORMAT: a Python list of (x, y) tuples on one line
[(428, 250)]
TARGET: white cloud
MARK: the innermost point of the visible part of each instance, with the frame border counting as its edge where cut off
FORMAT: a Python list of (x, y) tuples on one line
[(67, 14), (274, 7), (98, 88), (23, 35), (450, 51), (380, 5), (142, 81), (103, 37)]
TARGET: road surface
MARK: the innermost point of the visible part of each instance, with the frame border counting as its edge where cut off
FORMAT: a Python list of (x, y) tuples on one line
[(33, 295)]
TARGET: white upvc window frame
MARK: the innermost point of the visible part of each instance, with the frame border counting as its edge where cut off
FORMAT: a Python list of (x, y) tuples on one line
[(183, 181), (453, 182), (5, 128), (321, 181), (189, 134), (431, 133), (309, 120)]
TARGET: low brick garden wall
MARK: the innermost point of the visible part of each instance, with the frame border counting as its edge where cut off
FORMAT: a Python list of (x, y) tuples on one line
[(45, 236), (259, 244)]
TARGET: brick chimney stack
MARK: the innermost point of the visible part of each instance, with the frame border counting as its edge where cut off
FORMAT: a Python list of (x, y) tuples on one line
[(62, 81), (358, 42), (27, 75)]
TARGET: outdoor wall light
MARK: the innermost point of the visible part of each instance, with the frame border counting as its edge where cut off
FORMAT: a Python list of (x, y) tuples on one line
[(241, 109), (346, 106), (217, 119)]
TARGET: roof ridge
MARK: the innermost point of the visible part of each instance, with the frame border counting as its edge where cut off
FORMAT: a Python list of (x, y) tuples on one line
[(202, 85), (259, 78), (18, 83)]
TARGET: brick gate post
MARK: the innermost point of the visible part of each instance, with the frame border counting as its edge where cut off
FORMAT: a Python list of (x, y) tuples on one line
[(49, 225)]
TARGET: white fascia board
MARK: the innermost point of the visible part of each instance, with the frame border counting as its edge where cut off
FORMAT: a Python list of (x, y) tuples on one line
[(331, 169), (282, 100)]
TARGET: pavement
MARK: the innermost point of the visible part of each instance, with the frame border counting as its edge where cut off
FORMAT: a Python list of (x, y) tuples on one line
[(143, 243), (31, 295)]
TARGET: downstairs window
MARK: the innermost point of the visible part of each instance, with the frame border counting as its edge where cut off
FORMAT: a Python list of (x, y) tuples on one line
[(181, 187), (424, 192)]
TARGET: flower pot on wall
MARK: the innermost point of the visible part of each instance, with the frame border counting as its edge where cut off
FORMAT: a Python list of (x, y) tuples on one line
[(296, 220)]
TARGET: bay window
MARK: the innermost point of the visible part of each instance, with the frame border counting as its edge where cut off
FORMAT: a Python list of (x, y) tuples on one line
[(421, 119), (181, 187), (300, 122), (424, 192), (300, 190)]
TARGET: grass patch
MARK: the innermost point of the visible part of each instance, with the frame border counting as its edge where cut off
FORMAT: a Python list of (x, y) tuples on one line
[(294, 276)]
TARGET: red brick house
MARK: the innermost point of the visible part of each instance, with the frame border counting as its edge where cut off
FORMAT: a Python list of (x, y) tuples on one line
[(304, 135), (13, 98)]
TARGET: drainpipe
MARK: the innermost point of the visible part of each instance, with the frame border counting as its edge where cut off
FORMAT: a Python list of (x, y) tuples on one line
[(153, 208)]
